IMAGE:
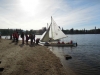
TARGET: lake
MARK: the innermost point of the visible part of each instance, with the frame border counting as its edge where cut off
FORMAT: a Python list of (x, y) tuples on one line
[(85, 57)]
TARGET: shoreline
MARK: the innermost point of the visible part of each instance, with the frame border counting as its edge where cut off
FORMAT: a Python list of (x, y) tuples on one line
[(18, 59)]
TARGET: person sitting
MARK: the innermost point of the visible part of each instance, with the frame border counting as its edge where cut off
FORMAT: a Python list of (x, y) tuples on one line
[(71, 42), (58, 42), (37, 41), (63, 42)]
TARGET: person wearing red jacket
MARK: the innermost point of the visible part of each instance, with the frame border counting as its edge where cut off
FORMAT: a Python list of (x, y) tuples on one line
[(16, 36)]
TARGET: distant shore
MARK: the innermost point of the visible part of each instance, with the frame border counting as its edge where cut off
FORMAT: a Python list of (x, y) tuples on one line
[(18, 59)]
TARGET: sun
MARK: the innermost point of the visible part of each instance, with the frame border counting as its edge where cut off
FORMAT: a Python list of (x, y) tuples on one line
[(29, 5)]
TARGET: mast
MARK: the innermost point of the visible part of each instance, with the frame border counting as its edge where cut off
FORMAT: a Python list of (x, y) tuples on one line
[(51, 28)]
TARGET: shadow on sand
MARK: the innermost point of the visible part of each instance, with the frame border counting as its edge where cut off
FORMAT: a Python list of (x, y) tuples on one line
[(21, 45)]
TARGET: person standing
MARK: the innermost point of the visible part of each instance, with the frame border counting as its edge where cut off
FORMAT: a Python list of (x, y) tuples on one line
[(34, 37), (10, 36), (27, 38), (16, 36), (22, 36), (31, 38)]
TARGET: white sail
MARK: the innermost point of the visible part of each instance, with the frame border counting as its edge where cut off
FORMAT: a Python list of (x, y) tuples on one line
[(53, 32), (45, 36)]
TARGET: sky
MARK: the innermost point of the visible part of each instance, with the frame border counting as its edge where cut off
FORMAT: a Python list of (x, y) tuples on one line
[(35, 14)]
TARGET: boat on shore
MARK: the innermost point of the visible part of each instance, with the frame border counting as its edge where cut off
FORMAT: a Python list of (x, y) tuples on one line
[(53, 35)]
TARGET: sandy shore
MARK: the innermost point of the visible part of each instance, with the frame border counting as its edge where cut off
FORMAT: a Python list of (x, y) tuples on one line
[(18, 59)]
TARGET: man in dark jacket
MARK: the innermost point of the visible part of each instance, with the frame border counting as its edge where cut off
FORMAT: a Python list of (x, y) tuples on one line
[(22, 36)]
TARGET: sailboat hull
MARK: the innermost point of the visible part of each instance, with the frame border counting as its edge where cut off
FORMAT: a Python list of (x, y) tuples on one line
[(61, 45)]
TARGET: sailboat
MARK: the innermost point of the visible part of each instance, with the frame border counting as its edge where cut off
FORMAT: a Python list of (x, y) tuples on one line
[(53, 35)]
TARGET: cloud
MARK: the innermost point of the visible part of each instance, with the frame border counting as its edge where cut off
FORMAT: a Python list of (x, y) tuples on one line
[(80, 15), (29, 14)]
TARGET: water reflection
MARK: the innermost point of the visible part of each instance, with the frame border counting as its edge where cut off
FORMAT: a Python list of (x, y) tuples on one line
[(84, 60)]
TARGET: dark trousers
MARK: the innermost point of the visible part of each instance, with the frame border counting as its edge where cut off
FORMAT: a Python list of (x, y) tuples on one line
[(22, 40), (16, 39), (26, 41), (31, 41)]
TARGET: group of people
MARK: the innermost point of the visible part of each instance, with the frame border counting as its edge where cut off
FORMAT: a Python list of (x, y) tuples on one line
[(15, 37), (31, 37), (71, 42)]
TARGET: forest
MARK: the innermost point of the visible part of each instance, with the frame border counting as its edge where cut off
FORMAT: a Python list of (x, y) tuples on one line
[(6, 32)]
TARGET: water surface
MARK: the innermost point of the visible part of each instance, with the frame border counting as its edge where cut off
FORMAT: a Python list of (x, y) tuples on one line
[(85, 57)]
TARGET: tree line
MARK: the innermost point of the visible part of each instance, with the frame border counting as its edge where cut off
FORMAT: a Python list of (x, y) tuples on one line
[(6, 32), (72, 31)]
